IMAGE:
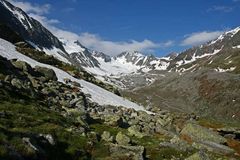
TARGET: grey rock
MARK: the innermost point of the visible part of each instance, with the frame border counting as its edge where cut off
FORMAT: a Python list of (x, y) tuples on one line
[(126, 152), (48, 73), (213, 147), (199, 134), (201, 155), (49, 138), (113, 120), (17, 83), (106, 136), (135, 131), (25, 67), (122, 139), (26, 140)]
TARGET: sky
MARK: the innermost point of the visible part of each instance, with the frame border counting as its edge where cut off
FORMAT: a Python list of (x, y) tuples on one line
[(156, 27)]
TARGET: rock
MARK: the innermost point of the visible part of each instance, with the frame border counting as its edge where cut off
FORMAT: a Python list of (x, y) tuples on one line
[(181, 144), (76, 84), (49, 74), (26, 140), (67, 80), (200, 134), (126, 152), (135, 131), (106, 136), (122, 139), (80, 103), (113, 120), (17, 83), (214, 147), (34, 82), (93, 136), (199, 156), (23, 66), (144, 116), (49, 138), (164, 122), (73, 102)]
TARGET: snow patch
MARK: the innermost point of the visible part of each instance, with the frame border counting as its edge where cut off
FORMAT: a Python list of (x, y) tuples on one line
[(225, 70), (235, 47), (56, 52), (194, 57), (19, 15)]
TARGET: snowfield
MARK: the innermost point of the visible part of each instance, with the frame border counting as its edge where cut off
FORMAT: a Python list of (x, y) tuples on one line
[(98, 94)]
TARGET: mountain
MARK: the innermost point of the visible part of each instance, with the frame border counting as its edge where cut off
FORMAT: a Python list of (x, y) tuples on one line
[(31, 30), (128, 62), (220, 54), (186, 105)]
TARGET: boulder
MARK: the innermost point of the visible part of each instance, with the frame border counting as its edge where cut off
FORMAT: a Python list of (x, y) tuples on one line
[(122, 139), (17, 83), (214, 147), (135, 130), (48, 73), (164, 121), (23, 66), (126, 152), (199, 156), (106, 136), (113, 120), (48, 137), (200, 134)]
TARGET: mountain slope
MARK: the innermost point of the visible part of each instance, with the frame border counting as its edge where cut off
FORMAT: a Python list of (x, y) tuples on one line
[(98, 94), (219, 54), (31, 30)]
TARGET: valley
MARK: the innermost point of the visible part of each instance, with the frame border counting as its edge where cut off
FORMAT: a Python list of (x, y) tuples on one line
[(62, 100)]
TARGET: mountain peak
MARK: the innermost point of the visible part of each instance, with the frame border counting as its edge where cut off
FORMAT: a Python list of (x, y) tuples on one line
[(131, 54)]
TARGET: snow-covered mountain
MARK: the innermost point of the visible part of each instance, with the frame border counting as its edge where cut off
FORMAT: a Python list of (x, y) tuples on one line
[(31, 30), (220, 53), (212, 54), (126, 63)]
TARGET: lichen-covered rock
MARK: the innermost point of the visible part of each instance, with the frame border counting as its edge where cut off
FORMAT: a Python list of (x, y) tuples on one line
[(199, 156), (23, 66), (17, 83), (113, 120), (200, 134), (49, 74), (122, 139), (135, 131), (106, 136), (214, 147), (126, 152)]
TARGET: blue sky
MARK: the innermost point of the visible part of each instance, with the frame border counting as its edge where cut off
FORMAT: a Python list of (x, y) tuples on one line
[(151, 26)]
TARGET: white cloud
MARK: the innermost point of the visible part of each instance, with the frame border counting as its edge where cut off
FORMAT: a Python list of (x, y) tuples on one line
[(200, 37), (31, 8), (44, 20), (89, 40), (95, 42), (113, 48), (221, 9)]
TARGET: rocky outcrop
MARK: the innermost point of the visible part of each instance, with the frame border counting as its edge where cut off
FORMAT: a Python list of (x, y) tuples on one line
[(127, 152)]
